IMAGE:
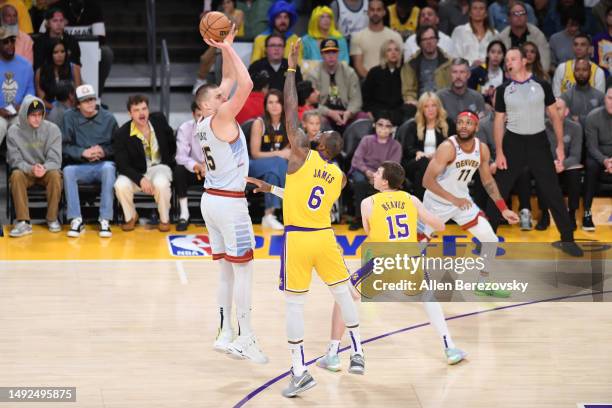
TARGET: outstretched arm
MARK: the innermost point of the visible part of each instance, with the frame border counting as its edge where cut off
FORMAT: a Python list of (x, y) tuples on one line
[(228, 70), (297, 139), (490, 186)]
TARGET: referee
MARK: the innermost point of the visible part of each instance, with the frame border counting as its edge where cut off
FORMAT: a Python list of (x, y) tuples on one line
[(524, 100)]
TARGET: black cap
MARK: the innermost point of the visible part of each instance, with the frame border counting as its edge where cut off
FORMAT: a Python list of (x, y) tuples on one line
[(329, 44), (36, 106)]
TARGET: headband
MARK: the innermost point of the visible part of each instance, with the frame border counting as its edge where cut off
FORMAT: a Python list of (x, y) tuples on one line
[(470, 115)]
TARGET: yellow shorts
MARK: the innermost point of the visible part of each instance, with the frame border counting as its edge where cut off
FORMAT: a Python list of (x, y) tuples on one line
[(306, 248)]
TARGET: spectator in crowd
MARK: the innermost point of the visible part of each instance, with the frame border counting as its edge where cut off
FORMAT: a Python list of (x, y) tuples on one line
[(371, 152), (499, 14), (599, 153), (428, 70), (17, 81), (458, 97), (254, 105), (485, 134), (321, 26), (472, 39), (382, 88), (521, 31), (55, 23), (488, 76), (144, 154), (366, 44), (274, 63), (34, 154), (190, 168), (550, 21), (351, 16), (65, 99), (430, 127), (429, 17), (24, 21), (404, 17), (255, 16), (23, 42), (534, 61), (453, 13), (562, 42), (308, 97), (311, 123), (281, 19), (582, 98), (84, 17), (600, 12), (602, 45), (57, 68), (235, 14), (570, 171), (564, 74), (269, 153), (340, 98), (88, 158)]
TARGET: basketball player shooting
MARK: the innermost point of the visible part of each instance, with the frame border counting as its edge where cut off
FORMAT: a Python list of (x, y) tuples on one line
[(312, 186), (224, 206), (446, 179)]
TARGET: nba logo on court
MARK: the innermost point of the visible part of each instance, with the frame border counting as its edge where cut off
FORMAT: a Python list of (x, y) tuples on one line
[(189, 245)]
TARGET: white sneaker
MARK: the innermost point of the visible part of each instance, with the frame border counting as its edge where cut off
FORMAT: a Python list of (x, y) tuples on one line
[(20, 229), (105, 231), (198, 83), (270, 221), (54, 226), (246, 347), (223, 340), (76, 227)]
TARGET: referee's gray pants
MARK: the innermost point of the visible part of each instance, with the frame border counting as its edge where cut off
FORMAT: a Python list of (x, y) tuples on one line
[(533, 152)]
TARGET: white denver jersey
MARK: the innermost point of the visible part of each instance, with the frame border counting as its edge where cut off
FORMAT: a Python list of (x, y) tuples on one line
[(227, 164), (459, 173), (349, 22)]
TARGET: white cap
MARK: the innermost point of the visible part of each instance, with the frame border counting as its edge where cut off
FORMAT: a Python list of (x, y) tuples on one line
[(85, 92)]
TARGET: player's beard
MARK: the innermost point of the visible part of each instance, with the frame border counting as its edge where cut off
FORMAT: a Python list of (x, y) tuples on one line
[(466, 138)]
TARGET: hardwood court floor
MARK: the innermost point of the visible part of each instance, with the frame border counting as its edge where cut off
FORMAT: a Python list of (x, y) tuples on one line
[(138, 333)]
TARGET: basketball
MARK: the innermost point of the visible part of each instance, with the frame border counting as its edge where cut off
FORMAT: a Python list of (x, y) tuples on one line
[(215, 26)]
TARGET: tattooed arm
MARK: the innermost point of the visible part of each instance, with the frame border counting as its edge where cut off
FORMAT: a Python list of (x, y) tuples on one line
[(490, 186), (297, 138)]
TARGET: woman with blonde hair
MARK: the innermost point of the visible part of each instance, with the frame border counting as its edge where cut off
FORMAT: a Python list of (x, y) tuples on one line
[(423, 135), (382, 88), (321, 26)]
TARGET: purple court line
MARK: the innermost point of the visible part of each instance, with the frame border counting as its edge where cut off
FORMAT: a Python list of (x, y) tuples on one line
[(267, 384)]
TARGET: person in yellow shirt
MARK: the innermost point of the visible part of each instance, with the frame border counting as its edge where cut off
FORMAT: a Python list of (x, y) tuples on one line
[(24, 20), (404, 17), (282, 17)]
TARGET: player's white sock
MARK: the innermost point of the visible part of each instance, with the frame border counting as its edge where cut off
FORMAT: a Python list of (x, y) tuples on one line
[(485, 234), (224, 294), (295, 331), (436, 319), (243, 275), (184, 208), (350, 316), (333, 348)]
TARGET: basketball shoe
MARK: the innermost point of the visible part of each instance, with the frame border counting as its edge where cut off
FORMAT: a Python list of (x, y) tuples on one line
[(223, 340), (299, 384), (329, 362), (454, 355), (245, 346), (357, 365)]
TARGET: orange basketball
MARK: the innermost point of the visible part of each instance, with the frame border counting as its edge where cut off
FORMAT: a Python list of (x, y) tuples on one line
[(215, 26)]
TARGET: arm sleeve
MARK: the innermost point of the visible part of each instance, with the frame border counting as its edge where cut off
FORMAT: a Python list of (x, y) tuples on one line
[(356, 45), (122, 159), (575, 148), (358, 161), (500, 102), (600, 80), (557, 78), (14, 157), (396, 152), (108, 145), (53, 153), (592, 139), (70, 148), (355, 101), (344, 50), (549, 97)]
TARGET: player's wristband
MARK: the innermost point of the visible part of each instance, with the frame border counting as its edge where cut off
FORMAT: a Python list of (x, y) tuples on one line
[(501, 205), (291, 70), (278, 191)]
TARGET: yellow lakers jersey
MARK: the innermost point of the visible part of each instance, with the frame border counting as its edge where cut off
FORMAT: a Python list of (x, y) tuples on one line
[(393, 218), (311, 192)]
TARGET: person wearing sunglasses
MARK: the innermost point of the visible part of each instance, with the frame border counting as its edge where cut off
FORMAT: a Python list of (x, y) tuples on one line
[(17, 80)]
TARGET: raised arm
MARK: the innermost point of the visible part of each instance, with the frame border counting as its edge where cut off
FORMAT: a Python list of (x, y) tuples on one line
[(297, 139), (228, 70)]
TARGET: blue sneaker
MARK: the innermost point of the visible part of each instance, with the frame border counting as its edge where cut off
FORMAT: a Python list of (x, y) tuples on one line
[(331, 363), (454, 355)]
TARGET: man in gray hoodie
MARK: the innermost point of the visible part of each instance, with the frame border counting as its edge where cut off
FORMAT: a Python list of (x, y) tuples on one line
[(35, 157)]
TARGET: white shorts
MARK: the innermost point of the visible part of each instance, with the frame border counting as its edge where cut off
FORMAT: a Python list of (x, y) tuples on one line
[(466, 219), (229, 226)]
